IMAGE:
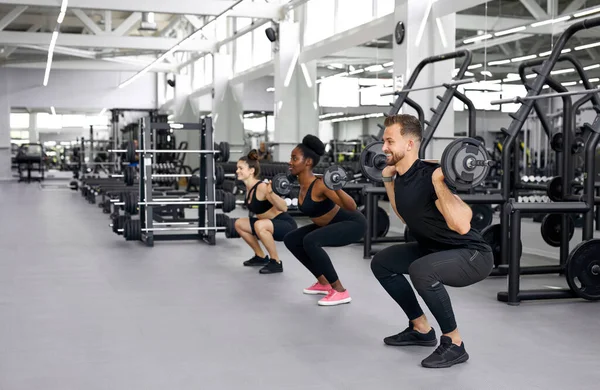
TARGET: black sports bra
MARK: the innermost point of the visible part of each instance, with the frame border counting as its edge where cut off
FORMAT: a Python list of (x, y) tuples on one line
[(313, 209), (257, 206)]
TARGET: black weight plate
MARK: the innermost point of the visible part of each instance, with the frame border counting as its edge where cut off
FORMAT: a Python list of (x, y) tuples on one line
[(222, 220), (383, 221), (224, 151), (129, 175), (133, 230), (230, 231), (578, 145), (551, 229), (482, 216), (131, 203), (583, 270), (219, 195), (557, 142), (454, 166), (228, 202), (555, 189), (115, 224), (334, 178), (281, 184), (219, 175), (130, 156), (373, 161), (493, 236)]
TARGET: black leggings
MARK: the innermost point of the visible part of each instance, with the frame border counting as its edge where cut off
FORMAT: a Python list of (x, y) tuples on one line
[(307, 242), (429, 272)]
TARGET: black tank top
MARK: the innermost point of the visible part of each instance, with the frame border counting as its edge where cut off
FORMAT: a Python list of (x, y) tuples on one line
[(257, 206), (415, 201), (313, 209)]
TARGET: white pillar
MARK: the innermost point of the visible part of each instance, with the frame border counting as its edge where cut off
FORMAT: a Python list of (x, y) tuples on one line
[(296, 108), (228, 110), (423, 39), (5, 162)]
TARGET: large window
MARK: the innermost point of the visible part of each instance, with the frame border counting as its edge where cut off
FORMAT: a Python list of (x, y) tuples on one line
[(339, 92), (73, 121), (385, 7), (352, 13), (199, 74), (320, 15), (48, 121), (261, 50), (243, 53), (19, 121)]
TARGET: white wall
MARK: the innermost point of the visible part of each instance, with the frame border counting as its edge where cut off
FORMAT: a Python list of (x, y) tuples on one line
[(79, 90), (256, 97)]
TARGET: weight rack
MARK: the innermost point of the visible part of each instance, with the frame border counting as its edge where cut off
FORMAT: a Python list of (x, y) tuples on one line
[(206, 213)]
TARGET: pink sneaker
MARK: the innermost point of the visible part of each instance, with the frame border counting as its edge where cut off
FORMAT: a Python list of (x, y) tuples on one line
[(335, 298), (317, 288)]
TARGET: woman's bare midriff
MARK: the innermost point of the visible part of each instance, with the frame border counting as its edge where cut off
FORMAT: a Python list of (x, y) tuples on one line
[(326, 218), (272, 213)]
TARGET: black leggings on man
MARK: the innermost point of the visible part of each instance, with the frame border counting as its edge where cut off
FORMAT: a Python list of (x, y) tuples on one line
[(307, 242), (429, 272)]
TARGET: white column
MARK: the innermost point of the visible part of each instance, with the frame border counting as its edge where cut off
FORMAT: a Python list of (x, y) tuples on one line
[(296, 108), (5, 164), (228, 110), (423, 39)]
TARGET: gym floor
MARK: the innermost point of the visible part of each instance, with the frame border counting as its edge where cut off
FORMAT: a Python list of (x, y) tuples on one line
[(81, 308)]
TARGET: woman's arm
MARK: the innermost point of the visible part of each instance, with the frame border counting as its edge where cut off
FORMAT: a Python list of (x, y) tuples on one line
[(266, 191), (340, 197)]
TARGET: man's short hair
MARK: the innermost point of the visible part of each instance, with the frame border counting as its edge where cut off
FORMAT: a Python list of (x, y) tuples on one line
[(409, 125)]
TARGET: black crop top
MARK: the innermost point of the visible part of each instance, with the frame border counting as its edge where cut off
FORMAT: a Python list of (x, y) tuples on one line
[(313, 209), (257, 206), (415, 201)]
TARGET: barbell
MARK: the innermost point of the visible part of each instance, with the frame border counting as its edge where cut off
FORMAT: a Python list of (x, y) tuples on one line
[(224, 199), (221, 149), (465, 163), (132, 229), (335, 178)]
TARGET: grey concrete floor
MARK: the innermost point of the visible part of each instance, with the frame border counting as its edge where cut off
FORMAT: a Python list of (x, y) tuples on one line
[(80, 308)]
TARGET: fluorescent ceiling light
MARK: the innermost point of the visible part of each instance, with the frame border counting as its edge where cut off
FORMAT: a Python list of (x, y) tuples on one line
[(587, 12), (469, 74), (594, 80), (563, 71), (357, 71), (270, 89), (478, 38), (387, 64), (524, 58), (486, 73), (546, 53), (550, 21), (499, 62), (337, 66), (53, 110), (591, 67), (391, 71), (475, 66), (306, 75), (440, 28), (512, 76), (510, 31), (569, 83), (531, 76), (374, 68), (589, 45), (564, 51)]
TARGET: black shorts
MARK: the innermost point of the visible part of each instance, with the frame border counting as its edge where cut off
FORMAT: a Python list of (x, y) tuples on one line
[(282, 225)]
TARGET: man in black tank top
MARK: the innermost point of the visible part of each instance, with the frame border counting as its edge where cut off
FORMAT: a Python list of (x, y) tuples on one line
[(447, 250)]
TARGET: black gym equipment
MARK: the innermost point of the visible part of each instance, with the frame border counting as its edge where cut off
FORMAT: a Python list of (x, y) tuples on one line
[(551, 228), (482, 216), (583, 270)]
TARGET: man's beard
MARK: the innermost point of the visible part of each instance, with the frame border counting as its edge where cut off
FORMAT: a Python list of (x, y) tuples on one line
[(395, 159)]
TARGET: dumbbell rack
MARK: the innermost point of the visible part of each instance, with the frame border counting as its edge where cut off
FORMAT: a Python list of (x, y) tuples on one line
[(206, 213)]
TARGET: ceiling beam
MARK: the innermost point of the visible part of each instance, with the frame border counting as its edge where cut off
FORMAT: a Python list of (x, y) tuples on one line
[(87, 22), (12, 16), (348, 39), (84, 65), (492, 42), (446, 7), (475, 22), (101, 41), (383, 55), (193, 7), (573, 6), (127, 24), (535, 9), (108, 21)]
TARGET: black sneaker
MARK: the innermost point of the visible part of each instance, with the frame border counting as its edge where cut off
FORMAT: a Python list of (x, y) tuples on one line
[(409, 336), (272, 267), (257, 261), (446, 355)]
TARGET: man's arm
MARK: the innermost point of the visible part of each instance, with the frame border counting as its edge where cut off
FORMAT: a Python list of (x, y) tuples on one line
[(456, 212), (389, 189)]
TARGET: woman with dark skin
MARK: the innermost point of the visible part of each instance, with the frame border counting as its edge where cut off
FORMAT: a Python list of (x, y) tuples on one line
[(335, 223)]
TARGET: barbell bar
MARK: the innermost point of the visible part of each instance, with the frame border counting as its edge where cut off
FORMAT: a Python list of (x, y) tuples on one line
[(519, 99), (450, 83)]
